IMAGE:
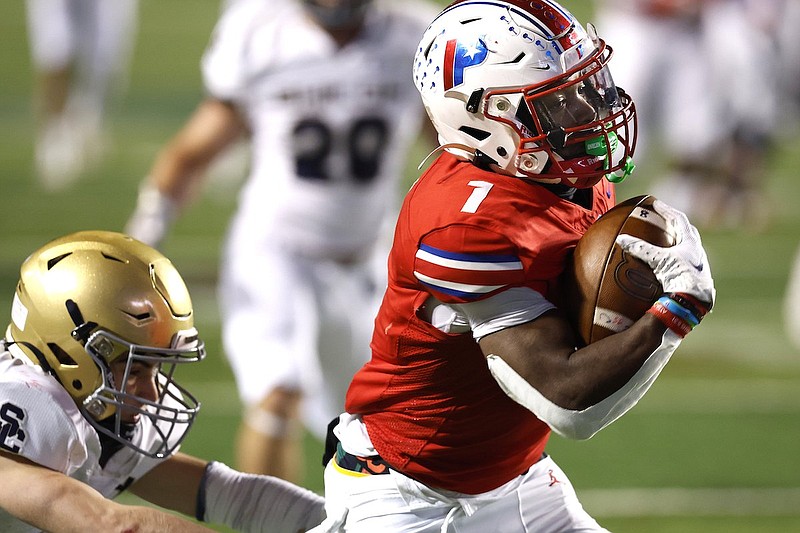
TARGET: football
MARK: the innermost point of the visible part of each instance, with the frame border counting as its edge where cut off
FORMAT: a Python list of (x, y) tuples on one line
[(606, 289)]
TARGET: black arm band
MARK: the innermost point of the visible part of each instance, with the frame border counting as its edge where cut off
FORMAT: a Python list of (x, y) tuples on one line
[(200, 504)]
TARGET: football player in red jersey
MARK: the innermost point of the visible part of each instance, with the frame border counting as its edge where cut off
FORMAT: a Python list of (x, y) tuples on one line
[(473, 363)]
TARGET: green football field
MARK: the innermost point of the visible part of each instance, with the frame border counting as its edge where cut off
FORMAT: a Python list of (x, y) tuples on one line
[(715, 445)]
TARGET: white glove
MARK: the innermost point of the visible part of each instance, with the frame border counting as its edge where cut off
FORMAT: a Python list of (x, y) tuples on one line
[(153, 216), (680, 268)]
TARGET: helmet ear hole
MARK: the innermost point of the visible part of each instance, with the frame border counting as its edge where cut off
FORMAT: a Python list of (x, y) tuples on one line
[(76, 384), (63, 357), (55, 260), (475, 133)]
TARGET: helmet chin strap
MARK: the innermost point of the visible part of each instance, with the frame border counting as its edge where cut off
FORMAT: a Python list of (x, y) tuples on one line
[(42, 360), (472, 153)]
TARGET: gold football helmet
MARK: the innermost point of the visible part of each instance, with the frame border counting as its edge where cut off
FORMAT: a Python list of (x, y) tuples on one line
[(93, 299)]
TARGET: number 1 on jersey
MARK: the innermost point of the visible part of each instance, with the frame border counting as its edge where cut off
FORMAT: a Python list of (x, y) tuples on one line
[(478, 195)]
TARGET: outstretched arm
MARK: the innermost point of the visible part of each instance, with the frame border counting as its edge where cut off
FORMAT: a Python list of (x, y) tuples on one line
[(180, 166), (213, 126), (57, 503), (214, 493)]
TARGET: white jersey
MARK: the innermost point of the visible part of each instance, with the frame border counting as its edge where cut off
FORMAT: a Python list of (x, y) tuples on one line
[(40, 422), (328, 149)]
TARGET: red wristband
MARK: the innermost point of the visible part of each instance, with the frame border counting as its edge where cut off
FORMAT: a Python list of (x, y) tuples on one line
[(673, 322)]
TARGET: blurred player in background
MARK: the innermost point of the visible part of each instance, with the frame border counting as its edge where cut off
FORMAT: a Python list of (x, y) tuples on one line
[(703, 76), (81, 52), (473, 363), (89, 405), (788, 39), (322, 89), (791, 303), (790, 56)]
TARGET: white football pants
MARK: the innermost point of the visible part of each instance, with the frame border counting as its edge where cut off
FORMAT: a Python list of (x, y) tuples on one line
[(296, 322), (541, 501)]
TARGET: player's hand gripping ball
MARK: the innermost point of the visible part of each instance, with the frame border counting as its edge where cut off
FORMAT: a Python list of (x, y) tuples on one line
[(607, 289)]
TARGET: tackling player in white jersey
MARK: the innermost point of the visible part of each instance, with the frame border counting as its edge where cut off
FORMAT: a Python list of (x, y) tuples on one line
[(322, 89), (89, 404)]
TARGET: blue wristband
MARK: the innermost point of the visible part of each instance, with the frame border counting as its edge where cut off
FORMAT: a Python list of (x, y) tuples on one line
[(678, 310)]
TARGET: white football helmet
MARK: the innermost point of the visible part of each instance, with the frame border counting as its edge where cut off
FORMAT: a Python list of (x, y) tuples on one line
[(338, 14), (90, 299), (522, 87)]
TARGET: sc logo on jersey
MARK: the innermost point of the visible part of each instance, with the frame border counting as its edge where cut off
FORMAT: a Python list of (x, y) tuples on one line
[(459, 56), (12, 437)]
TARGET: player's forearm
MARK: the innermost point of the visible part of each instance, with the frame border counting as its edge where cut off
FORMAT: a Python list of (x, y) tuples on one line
[(578, 392), (179, 168), (173, 484), (145, 519), (583, 423), (176, 172), (543, 353), (183, 162), (56, 503), (639, 359), (162, 194), (246, 502), (597, 371)]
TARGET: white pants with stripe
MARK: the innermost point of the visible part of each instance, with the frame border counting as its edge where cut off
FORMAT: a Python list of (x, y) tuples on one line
[(541, 500)]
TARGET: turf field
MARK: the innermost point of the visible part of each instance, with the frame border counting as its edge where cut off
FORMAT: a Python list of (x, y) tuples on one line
[(712, 448)]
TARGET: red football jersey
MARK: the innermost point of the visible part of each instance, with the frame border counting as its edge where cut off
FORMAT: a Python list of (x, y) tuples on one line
[(431, 407)]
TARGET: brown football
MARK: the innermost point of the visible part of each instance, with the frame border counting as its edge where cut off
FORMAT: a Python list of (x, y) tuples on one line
[(607, 290)]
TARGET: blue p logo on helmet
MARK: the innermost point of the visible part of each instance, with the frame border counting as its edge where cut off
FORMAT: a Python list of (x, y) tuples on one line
[(458, 56)]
